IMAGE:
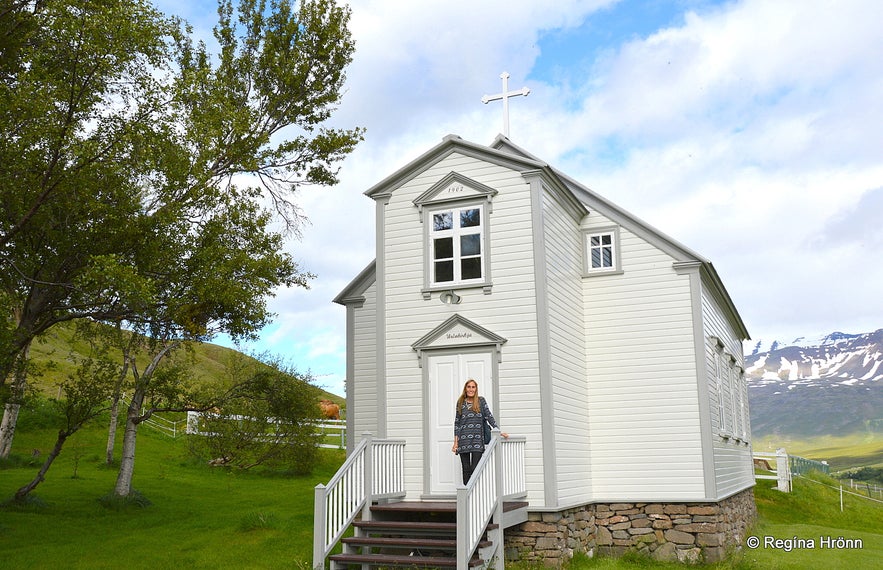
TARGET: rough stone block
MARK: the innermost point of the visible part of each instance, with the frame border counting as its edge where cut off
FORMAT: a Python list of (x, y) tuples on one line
[(620, 526), (548, 544), (689, 555), (709, 539), (705, 510), (668, 552), (603, 536), (675, 509), (679, 537), (531, 526), (697, 527), (654, 509), (634, 531)]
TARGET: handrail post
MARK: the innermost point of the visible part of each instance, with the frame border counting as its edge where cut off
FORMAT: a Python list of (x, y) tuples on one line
[(319, 522), (462, 528), (498, 561), (369, 476)]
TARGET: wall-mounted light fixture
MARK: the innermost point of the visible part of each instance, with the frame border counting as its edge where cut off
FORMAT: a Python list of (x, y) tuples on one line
[(449, 298)]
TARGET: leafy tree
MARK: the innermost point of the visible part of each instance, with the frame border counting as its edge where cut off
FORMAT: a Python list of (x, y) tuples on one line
[(84, 396), (270, 420), (122, 145)]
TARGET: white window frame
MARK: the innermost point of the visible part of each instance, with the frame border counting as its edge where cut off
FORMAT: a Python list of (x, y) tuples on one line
[(733, 387), (455, 233), (614, 250)]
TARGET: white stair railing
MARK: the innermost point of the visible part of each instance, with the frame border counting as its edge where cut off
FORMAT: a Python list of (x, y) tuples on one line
[(374, 470), (514, 479), (478, 502)]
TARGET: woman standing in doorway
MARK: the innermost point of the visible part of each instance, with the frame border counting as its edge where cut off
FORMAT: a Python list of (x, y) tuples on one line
[(471, 413)]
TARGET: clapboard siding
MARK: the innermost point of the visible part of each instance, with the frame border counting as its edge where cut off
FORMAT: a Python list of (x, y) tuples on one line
[(613, 361), (732, 450), (364, 385), (563, 265), (409, 316), (643, 403)]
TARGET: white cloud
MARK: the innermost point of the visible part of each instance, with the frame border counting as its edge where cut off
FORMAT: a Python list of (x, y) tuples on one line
[(749, 131)]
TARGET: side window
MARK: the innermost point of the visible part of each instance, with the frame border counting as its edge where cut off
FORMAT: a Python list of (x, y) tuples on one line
[(601, 252), (456, 246)]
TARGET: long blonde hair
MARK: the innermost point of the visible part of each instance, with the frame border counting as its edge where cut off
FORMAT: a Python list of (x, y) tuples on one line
[(476, 407)]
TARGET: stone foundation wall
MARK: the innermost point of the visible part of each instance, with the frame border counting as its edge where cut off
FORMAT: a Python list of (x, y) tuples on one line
[(552, 538), (685, 532)]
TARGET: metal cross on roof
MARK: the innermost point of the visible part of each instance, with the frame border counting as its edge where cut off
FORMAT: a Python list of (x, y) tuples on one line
[(505, 97)]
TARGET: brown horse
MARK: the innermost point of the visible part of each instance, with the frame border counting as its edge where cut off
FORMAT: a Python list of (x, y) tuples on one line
[(330, 410)]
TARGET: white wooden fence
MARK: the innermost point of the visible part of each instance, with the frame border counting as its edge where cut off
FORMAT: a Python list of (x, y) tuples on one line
[(782, 469), (328, 429)]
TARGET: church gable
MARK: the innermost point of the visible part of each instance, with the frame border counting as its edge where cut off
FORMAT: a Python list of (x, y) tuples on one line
[(455, 187), (458, 332)]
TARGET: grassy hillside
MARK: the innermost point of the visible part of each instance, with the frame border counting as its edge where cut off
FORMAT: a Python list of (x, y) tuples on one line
[(52, 356), (841, 452)]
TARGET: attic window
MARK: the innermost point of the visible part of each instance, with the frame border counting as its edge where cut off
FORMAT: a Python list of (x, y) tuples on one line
[(602, 252)]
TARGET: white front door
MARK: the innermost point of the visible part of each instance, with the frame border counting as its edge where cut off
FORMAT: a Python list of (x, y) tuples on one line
[(447, 375)]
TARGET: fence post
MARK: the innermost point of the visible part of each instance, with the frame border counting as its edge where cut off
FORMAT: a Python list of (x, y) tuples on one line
[(192, 422), (783, 471), (319, 525)]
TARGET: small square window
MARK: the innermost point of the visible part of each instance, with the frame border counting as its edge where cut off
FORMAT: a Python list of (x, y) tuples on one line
[(602, 252)]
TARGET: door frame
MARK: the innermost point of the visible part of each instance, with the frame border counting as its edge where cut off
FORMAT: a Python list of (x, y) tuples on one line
[(445, 407), (456, 335)]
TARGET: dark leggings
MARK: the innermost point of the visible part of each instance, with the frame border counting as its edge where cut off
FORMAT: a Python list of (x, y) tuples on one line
[(469, 461)]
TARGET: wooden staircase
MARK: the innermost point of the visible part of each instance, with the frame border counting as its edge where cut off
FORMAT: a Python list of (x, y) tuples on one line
[(413, 534)]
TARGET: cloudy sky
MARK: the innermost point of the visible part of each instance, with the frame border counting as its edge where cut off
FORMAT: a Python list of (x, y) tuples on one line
[(750, 131)]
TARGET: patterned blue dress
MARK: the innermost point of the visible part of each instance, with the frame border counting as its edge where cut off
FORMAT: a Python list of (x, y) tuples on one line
[(469, 429)]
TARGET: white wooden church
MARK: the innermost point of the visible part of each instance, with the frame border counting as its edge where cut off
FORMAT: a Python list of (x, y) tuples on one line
[(610, 352)]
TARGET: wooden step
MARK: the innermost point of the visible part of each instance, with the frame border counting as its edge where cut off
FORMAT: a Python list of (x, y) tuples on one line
[(407, 543), (426, 507), (413, 526), (388, 560), (419, 526)]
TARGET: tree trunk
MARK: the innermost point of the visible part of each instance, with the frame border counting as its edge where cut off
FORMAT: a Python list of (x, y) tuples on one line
[(7, 428), (10, 411), (112, 429), (59, 443), (115, 412), (127, 459), (134, 417)]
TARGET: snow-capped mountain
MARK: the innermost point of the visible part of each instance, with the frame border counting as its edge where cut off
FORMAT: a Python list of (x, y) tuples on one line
[(827, 385), (753, 347)]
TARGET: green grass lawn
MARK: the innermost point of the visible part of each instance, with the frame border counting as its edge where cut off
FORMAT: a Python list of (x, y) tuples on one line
[(200, 517), (203, 517)]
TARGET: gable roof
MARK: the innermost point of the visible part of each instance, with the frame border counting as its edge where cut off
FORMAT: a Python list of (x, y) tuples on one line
[(504, 152)]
